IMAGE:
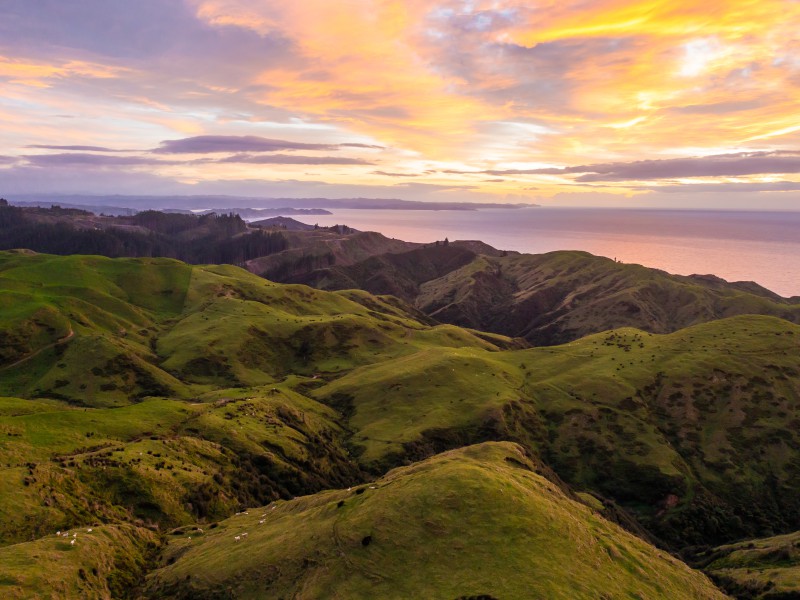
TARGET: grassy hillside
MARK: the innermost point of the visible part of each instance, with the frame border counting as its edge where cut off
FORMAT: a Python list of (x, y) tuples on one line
[(398, 274), (162, 462), (476, 522), (102, 562), (102, 332), (321, 248), (154, 394), (548, 298), (164, 393), (767, 568), (695, 431)]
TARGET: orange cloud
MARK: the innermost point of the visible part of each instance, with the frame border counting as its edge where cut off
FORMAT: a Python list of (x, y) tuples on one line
[(364, 71), (36, 74), (375, 67), (451, 85)]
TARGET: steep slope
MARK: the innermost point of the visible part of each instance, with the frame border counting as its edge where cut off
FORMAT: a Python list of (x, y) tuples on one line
[(159, 394), (91, 562), (398, 274), (162, 462), (549, 298), (120, 402), (476, 522), (103, 332), (562, 296), (695, 431), (767, 568), (322, 248)]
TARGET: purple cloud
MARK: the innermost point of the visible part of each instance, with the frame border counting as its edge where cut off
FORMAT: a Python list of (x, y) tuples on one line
[(70, 159), (8, 160), (723, 165), (395, 174), (209, 144), (720, 108), (720, 165), (355, 145), (287, 159), (768, 186), (73, 148)]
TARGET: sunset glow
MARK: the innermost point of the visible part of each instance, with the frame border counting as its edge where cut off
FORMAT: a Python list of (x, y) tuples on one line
[(607, 101)]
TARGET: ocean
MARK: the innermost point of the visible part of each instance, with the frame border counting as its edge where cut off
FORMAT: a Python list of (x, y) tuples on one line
[(736, 245)]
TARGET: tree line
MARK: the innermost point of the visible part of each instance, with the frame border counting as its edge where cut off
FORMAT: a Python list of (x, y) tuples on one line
[(211, 238)]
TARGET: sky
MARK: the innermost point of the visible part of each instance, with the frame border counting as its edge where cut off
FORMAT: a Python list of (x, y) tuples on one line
[(570, 102)]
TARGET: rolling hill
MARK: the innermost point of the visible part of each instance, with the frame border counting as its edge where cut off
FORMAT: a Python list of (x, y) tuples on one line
[(547, 298), (166, 392), (694, 432), (764, 569), (472, 523), (144, 395)]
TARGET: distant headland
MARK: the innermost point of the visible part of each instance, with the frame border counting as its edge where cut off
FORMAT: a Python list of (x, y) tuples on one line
[(234, 203)]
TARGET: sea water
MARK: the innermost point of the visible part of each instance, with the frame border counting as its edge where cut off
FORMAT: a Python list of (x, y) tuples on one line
[(736, 245)]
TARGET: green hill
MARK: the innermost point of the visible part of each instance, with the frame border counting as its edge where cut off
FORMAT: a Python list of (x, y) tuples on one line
[(322, 247), (153, 327), (767, 568), (165, 393), (102, 562), (472, 523), (548, 298), (151, 394), (695, 431)]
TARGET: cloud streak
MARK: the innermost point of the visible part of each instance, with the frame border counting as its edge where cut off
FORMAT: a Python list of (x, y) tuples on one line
[(73, 148), (74, 159), (211, 144), (736, 188), (292, 159), (724, 165), (484, 92), (388, 174)]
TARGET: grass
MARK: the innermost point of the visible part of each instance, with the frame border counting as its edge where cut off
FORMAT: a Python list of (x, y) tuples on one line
[(161, 461), (103, 563), (550, 298), (473, 521), (188, 393), (762, 568), (696, 419)]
